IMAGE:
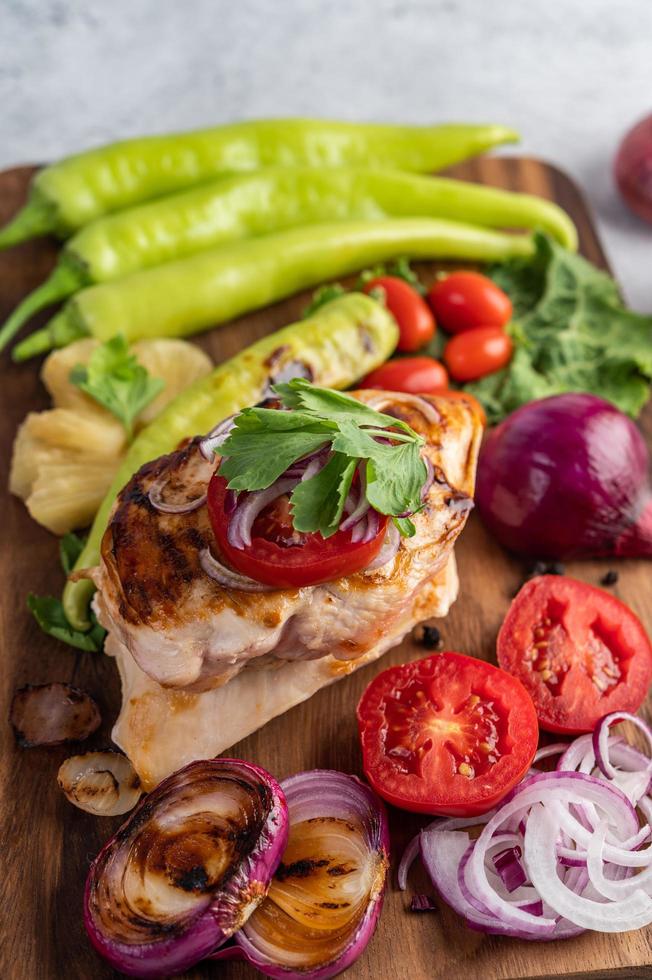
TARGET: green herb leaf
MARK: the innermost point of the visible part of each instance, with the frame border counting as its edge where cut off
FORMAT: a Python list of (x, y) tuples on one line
[(400, 268), (318, 503), (336, 406), (115, 379), (48, 613), (405, 526), (265, 442), (571, 332), (394, 483), (325, 294), (70, 548), (252, 462)]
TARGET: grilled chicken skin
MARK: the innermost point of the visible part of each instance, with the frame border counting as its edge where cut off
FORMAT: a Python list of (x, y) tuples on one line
[(185, 630)]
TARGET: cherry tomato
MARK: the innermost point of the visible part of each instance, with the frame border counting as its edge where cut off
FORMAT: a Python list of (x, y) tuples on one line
[(580, 652), (464, 396), (465, 300), (416, 323), (448, 734), (414, 375), (279, 555), (474, 353), (633, 169)]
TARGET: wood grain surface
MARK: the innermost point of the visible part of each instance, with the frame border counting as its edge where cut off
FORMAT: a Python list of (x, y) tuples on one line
[(46, 844)]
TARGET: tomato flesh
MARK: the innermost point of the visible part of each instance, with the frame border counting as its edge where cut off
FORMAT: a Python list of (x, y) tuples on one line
[(415, 321), (466, 300), (474, 353), (282, 557), (412, 375), (448, 734), (580, 652)]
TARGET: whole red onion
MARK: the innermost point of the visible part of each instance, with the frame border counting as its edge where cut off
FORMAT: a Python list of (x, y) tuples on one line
[(567, 476), (633, 169)]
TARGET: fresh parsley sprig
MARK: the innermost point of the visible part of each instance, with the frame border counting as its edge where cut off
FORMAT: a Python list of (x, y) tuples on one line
[(48, 611), (265, 442), (115, 379)]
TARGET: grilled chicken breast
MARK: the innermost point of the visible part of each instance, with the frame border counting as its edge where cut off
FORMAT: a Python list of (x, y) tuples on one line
[(161, 729), (185, 631)]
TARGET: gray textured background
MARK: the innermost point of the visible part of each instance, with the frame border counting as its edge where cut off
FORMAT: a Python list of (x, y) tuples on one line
[(571, 75)]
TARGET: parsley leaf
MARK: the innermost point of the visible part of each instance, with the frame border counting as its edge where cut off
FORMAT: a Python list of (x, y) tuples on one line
[(325, 294), (571, 332), (405, 526), (115, 379), (394, 482), (318, 503), (264, 443), (336, 406), (400, 269), (252, 462), (48, 613)]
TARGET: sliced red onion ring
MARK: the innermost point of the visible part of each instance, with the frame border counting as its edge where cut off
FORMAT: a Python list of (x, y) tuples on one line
[(635, 784), (631, 912), (508, 865), (249, 506), (580, 846), (413, 849), (389, 548), (103, 783), (212, 442), (423, 903), (187, 869), (51, 714), (327, 894), (547, 751), (169, 494), (168, 507), (227, 577), (430, 477), (429, 412)]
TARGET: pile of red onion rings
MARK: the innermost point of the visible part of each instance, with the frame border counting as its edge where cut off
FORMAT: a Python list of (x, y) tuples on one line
[(564, 852)]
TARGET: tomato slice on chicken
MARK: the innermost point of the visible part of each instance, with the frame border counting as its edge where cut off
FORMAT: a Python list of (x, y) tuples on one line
[(448, 734), (579, 651), (282, 557)]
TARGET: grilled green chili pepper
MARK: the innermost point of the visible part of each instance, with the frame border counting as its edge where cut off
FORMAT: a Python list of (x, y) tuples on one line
[(184, 297), (343, 341), (270, 200), (69, 194)]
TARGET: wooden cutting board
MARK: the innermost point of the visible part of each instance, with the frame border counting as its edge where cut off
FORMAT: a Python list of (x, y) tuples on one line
[(47, 844)]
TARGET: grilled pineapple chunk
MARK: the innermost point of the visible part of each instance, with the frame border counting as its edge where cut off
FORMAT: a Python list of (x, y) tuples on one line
[(177, 362), (64, 458)]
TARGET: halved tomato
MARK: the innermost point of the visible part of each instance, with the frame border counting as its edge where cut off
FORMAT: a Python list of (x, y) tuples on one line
[(580, 652), (448, 734), (279, 555)]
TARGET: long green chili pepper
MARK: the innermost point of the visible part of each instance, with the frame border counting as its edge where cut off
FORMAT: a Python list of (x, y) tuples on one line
[(344, 340), (70, 194), (184, 297), (266, 201)]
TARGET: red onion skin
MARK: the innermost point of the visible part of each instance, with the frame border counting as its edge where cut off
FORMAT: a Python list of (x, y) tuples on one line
[(633, 169), (567, 477), (212, 926)]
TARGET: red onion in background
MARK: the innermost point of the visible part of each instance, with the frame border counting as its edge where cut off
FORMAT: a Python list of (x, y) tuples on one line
[(633, 169), (187, 868), (567, 477)]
